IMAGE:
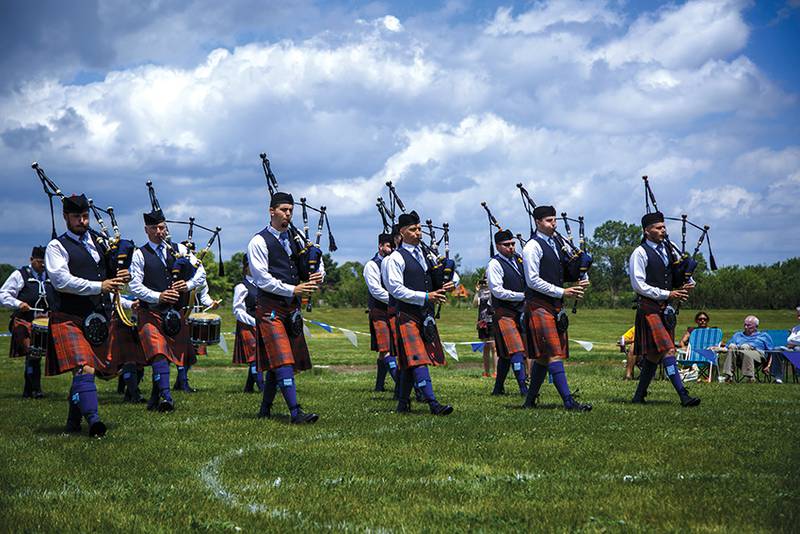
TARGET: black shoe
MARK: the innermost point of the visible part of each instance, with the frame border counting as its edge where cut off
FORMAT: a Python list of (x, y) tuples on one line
[(304, 418), (265, 412), (166, 405), (37, 394), (441, 409), (381, 388), (403, 407), (497, 392), (639, 399), (574, 405), (72, 427), (97, 430), (688, 401), (527, 405)]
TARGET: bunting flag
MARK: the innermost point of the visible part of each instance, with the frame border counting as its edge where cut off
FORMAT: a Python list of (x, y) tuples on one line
[(350, 335), (328, 328), (307, 332), (587, 345), (477, 347), (450, 349), (223, 344)]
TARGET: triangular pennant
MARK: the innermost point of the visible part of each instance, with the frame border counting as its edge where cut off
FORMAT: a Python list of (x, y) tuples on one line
[(450, 348), (350, 335)]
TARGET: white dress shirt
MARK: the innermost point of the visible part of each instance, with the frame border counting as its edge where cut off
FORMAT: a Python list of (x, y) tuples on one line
[(203, 298), (144, 293), (239, 307), (372, 276), (494, 277), (637, 267), (258, 254), (11, 288), (395, 265), (531, 259), (56, 260)]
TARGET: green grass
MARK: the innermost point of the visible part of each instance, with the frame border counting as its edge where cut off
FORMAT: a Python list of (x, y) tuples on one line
[(731, 464)]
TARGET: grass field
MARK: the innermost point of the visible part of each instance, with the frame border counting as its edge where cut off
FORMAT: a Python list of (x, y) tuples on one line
[(730, 465)]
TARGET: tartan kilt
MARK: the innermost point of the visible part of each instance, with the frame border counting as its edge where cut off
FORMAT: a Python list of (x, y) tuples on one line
[(20, 338), (274, 347), (380, 337), (508, 338), (543, 338), (156, 343), (414, 351), (123, 344), (391, 312), (651, 337), (244, 346), (68, 348)]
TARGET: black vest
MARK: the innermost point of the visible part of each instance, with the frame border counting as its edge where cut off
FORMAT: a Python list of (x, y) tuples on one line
[(372, 301), (281, 265), (512, 280), (157, 276), (250, 299), (551, 269), (82, 265), (416, 279), (29, 293), (657, 274)]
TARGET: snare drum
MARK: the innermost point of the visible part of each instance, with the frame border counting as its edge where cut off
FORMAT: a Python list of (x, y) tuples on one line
[(40, 328), (204, 328)]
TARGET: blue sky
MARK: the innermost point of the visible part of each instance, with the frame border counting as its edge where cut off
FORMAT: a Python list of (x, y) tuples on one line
[(454, 101)]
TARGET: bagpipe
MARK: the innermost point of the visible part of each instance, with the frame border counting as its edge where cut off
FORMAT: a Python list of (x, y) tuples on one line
[(682, 264), (183, 268), (442, 266), (115, 251), (309, 252)]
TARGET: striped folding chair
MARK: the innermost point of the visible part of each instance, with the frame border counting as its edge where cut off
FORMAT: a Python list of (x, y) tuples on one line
[(786, 358), (698, 353)]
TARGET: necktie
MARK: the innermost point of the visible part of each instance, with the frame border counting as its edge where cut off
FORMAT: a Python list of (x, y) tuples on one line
[(420, 259), (552, 245), (160, 252), (662, 253), (284, 239), (87, 246)]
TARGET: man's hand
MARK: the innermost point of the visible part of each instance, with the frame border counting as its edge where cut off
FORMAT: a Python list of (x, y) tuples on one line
[(180, 286), (440, 295), (305, 288), (214, 305), (679, 294), (168, 296), (688, 286), (449, 286), (111, 284), (124, 275), (315, 278), (135, 305), (576, 291)]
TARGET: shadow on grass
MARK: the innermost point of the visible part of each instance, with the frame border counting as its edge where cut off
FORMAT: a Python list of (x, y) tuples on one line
[(626, 400)]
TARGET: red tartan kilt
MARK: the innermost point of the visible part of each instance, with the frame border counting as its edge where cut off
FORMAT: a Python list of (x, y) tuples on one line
[(543, 338), (274, 347), (392, 314), (651, 337), (244, 347), (155, 343), (124, 346), (379, 331), (20, 338), (68, 349), (507, 336), (414, 351)]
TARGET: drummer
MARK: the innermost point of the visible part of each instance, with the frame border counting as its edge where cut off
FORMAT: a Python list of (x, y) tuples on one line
[(27, 291), (203, 301), (245, 294)]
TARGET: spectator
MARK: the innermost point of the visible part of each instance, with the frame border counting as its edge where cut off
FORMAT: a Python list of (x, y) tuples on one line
[(794, 337), (792, 343), (626, 347), (701, 320), (485, 325), (745, 348)]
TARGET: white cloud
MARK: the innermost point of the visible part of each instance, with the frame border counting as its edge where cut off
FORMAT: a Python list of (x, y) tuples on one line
[(544, 15)]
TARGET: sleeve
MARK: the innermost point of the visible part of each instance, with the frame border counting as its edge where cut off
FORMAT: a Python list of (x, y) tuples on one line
[(494, 276), (794, 337), (11, 288), (126, 302), (239, 308), (136, 285), (199, 278), (767, 341), (203, 296), (531, 258), (258, 255), (372, 276), (394, 281), (456, 279), (56, 260), (637, 267)]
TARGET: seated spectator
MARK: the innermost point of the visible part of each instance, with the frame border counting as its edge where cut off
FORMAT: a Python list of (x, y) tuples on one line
[(626, 346), (793, 343), (745, 348), (701, 320)]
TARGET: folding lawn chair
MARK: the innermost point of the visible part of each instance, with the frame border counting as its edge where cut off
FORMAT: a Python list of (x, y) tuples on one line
[(698, 353), (780, 338)]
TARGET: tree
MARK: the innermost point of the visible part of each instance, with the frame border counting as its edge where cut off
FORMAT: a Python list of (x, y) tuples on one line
[(5, 271), (611, 246)]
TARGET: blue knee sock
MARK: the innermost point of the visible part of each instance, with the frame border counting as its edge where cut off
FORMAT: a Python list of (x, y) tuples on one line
[(161, 378), (503, 365), (518, 366), (645, 377), (671, 367), (84, 395), (270, 388), (391, 363), (258, 376), (181, 380), (556, 369), (422, 381), (538, 374), (285, 379)]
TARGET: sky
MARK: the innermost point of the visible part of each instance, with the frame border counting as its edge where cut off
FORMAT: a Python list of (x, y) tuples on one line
[(454, 101)]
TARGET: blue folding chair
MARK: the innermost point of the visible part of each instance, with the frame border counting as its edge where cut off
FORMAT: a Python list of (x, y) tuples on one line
[(780, 338), (698, 352)]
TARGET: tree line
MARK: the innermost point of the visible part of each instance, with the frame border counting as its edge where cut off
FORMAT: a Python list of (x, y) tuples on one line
[(775, 286)]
